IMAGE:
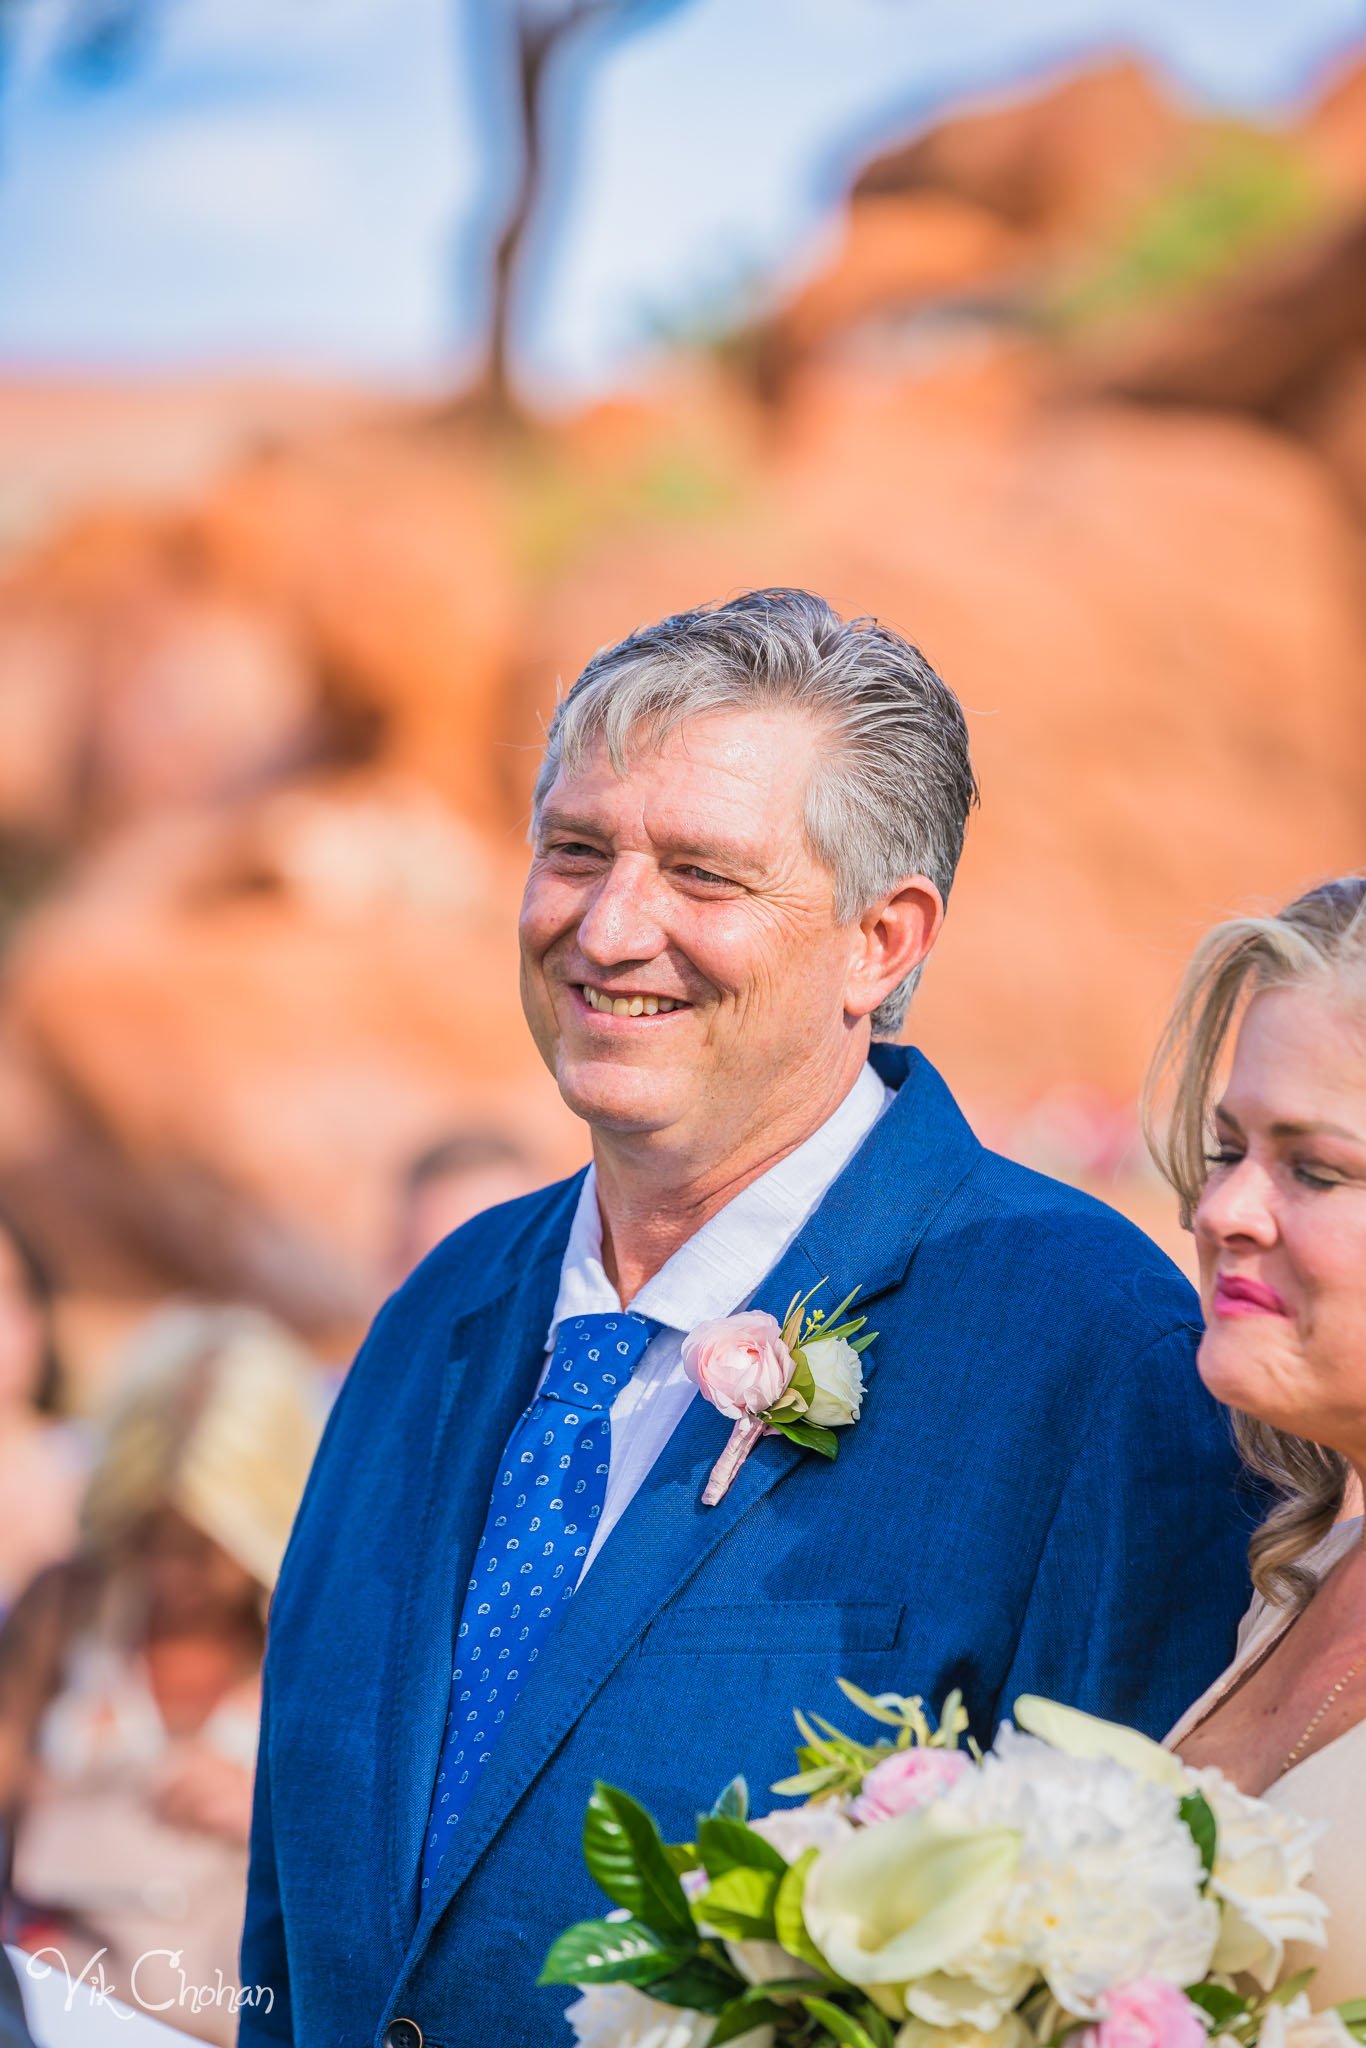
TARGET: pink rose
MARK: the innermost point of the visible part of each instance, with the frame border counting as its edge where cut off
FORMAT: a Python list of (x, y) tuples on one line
[(740, 1362), (906, 1781), (1146, 2014)]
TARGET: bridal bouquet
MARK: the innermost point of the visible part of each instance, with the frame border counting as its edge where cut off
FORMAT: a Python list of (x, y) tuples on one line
[(1076, 1884)]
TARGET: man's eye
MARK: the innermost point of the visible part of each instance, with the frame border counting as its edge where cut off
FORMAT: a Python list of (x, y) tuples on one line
[(574, 849), (696, 874)]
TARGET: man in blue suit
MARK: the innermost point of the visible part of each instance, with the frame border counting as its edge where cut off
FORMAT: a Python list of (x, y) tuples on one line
[(745, 832)]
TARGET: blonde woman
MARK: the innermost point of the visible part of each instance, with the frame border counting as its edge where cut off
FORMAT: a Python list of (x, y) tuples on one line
[(130, 1676), (1266, 1148)]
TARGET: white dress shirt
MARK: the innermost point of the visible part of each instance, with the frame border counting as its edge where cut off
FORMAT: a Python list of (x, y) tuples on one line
[(713, 1274)]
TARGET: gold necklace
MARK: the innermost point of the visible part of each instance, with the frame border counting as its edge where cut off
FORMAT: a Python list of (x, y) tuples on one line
[(1293, 1756)]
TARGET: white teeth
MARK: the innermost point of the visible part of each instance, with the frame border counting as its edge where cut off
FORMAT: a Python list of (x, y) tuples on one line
[(629, 1006)]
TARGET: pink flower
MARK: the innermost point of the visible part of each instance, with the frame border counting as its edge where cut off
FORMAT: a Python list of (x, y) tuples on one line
[(740, 1362), (1145, 2014), (906, 1781)]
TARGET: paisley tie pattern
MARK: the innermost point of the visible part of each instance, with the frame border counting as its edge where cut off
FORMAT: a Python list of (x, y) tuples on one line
[(546, 1500)]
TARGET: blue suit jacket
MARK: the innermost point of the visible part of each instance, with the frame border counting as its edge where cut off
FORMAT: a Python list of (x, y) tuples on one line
[(1039, 1497)]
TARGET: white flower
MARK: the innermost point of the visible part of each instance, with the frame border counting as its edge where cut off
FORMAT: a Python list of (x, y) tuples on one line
[(1262, 1864), (907, 1897), (1295, 2026), (792, 1830), (837, 1370), (1107, 1888), (1011, 2033), (618, 2016)]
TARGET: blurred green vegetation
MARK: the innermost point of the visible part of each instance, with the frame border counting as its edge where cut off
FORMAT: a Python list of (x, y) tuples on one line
[(560, 507), (1246, 191)]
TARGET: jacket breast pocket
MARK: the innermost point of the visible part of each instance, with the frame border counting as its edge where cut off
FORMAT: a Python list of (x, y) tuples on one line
[(774, 1628)]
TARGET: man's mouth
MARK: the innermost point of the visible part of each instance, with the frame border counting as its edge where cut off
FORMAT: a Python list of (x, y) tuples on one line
[(628, 1002)]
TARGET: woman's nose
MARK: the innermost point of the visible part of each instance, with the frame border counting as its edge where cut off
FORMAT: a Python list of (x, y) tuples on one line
[(623, 920), (1237, 1203)]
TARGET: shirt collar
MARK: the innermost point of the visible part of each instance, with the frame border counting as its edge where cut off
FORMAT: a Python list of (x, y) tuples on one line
[(719, 1267)]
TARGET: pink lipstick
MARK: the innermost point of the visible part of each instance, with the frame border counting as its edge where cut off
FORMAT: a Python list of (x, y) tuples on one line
[(1238, 1297)]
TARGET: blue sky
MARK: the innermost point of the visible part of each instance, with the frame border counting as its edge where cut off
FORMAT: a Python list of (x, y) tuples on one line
[(300, 183)]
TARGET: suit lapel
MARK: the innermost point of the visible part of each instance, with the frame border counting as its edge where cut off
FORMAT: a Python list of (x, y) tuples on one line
[(495, 1357), (865, 1230)]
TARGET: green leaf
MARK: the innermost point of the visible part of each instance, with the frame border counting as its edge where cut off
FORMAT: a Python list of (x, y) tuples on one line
[(887, 1707), (682, 1856), (789, 1925), (844, 2027), (803, 1380), (701, 1985), (739, 1905), (862, 1343), (833, 1318), (828, 1335), (808, 1434), (729, 1845), (1198, 1815), (733, 1803), (1352, 2012), (611, 1952), (1221, 2005), (1293, 1986), (740, 2016), (625, 1855), (879, 2026), (808, 1782)]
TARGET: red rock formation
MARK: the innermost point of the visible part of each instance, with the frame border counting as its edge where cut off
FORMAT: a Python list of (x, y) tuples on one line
[(281, 730), (1059, 163)]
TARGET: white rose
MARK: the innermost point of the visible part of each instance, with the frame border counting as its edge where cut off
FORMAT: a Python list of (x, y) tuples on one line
[(1295, 2026), (837, 1370), (618, 2016), (792, 1830), (1107, 1888), (1262, 1866)]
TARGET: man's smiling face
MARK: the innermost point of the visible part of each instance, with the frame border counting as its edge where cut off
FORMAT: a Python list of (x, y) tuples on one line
[(683, 970)]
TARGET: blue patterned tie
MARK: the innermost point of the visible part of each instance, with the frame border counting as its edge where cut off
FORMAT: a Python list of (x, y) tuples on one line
[(548, 1495)]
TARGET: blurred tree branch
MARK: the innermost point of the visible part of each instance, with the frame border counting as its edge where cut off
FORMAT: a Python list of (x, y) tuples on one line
[(543, 30)]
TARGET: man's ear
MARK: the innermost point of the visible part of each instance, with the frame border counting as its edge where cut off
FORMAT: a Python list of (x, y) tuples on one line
[(894, 935)]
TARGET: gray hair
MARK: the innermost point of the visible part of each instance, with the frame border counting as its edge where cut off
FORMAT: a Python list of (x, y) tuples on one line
[(1318, 941), (892, 795)]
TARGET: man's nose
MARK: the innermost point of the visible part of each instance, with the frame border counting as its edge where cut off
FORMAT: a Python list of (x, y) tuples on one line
[(1238, 1203), (624, 920)]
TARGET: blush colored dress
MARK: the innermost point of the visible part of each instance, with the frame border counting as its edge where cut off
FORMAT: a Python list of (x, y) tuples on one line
[(1329, 1787)]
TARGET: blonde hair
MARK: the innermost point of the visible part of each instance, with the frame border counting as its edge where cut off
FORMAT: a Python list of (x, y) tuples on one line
[(1319, 941), (216, 1415)]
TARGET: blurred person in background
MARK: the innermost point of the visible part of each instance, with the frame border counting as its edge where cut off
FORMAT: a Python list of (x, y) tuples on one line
[(130, 1674), (40, 1463), (458, 1177)]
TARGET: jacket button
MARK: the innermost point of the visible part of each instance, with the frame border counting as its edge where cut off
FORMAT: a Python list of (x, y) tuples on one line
[(403, 2034)]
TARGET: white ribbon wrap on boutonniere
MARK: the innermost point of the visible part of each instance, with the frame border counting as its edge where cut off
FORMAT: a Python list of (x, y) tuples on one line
[(801, 1378)]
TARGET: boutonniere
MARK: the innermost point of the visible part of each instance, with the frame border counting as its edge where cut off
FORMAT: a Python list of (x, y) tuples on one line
[(801, 1378)]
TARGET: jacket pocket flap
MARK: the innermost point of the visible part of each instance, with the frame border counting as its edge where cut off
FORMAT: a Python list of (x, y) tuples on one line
[(774, 1628)]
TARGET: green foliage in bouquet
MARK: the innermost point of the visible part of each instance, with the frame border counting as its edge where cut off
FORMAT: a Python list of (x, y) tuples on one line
[(833, 1765), (672, 1943), (911, 1905)]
